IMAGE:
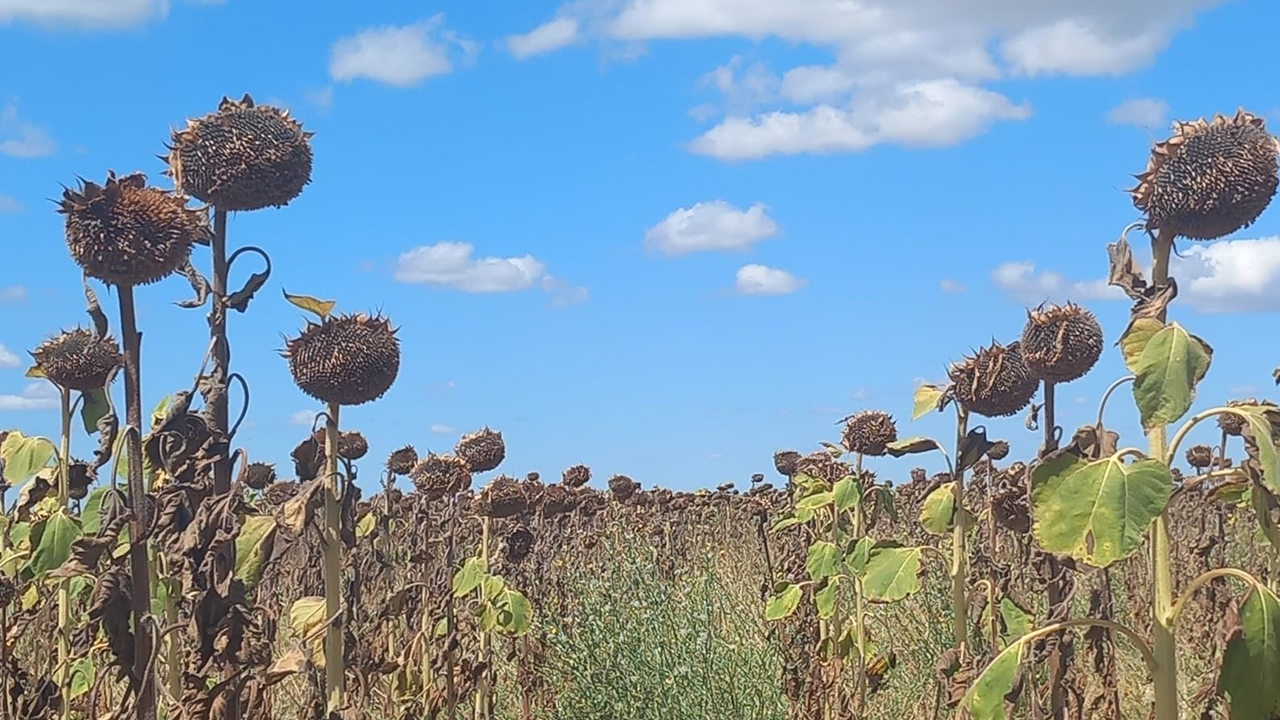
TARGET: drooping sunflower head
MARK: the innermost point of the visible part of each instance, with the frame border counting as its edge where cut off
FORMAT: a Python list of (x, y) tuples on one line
[(1210, 178), (245, 156)]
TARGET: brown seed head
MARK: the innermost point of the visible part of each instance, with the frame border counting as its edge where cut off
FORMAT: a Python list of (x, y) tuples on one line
[(401, 461), (258, 476), (785, 462), (243, 157), (1231, 423), (995, 382), (1061, 344), (558, 499), (503, 497), (623, 487), (347, 359), (1199, 456), (577, 476), (127, 234), (823, 466), (869, 432), (483, 450), (352, 445), (999, 450), (441, 475), (78, 359), (1210, 178)]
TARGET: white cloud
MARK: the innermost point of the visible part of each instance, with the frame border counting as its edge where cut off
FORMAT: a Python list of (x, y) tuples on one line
[(564, 294), (1148, 113), (1230, 276), (952, 287), (545, 38), (763, 280), (35, 396), (1080, 46), (84, 13), (451, 264), (13, 294), (440, 429), (401, 56), (22, 139), (743, 86), (935, 113), (8, 359), (1021, 282), (304, 417), (9, 204), (879, 46), (711, 226)]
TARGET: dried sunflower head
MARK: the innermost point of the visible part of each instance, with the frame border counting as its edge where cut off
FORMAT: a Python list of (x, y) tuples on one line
[(999, 450), (483, 450), (1199, 456), (78, 359), (869, 433), (352, 445), (80, 477), (518, 543), (557, 500), (1061, 343), (401, 461), (245, 156), (576, 476), (1233, 424), (995, 382), (346, 359), (125, 233), (504, 497), (1210, 178), (258, 476), (823, 466), (441, 475), (622, 487), (785, 461)]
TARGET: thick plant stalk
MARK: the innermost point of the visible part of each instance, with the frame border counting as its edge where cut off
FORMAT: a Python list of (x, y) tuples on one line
[(484, 709), (64, 592), (994, 625), (334, 674), (139, 560), (221, 349), (959, 557), (1164, 644), (1059, 583), (860, 603)]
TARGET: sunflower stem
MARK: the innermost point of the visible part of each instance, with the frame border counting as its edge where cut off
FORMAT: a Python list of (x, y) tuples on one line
[(64, 591), (1164, 642), (959, 560), (333, 651), (140, 520)]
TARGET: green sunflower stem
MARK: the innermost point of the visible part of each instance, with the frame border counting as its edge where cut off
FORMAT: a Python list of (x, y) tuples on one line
[(64, 591), (1164, 642), (959, 560)]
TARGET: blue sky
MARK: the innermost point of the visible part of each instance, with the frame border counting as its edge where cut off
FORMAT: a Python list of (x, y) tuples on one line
[(661, 237)]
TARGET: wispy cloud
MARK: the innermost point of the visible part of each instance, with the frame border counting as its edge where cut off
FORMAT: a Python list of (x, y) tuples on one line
[(1147, 113), (8, 359), (545, 38), (22, 139), (401, 56), (453, 265), (441, 429), (711, 226), (35, 396), (758, 279)]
